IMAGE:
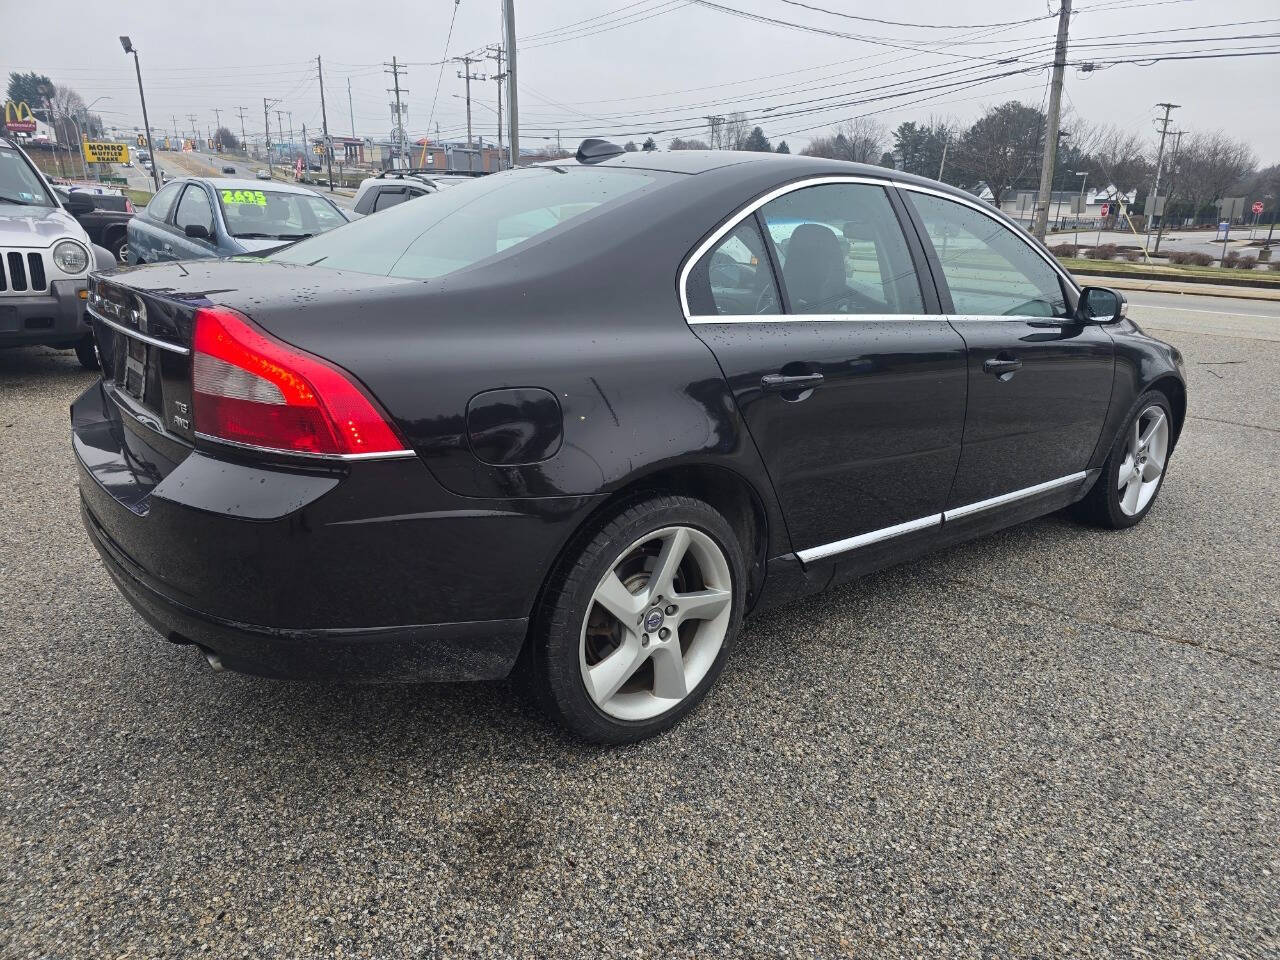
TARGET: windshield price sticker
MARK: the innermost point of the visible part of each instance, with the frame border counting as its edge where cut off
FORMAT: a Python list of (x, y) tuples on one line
[(255, 197)]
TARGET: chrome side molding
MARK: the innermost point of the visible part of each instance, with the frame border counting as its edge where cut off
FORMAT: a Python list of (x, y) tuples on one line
[(934, 520)]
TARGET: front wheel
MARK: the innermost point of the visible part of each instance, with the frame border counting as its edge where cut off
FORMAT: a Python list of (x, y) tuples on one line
[(635, 628), (1134, 470), (120, 249), (87, 352)]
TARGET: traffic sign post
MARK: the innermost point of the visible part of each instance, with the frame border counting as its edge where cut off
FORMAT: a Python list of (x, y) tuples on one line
[(1257, 212)]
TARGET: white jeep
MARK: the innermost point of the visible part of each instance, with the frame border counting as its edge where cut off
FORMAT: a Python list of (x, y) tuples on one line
[(45, 259)]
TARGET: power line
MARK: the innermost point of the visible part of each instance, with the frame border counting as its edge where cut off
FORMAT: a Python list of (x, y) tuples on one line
[(448, 38), (923, 26)]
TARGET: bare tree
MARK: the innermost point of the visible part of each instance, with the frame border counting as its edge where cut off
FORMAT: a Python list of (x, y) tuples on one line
[(1002, 148), (1209, 164), (861, 140), (735, 131), (1114, 156), (691, 144)]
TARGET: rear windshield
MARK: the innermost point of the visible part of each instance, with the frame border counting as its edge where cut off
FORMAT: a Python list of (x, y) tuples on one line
[(19, 183), (273, 215), (471, 222)]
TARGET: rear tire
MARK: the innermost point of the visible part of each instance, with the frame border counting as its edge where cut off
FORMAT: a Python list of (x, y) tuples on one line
[(635, 624), (1134, 471), (87, 352), (120, 249)]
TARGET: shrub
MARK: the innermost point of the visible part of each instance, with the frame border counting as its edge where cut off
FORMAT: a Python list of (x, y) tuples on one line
[(1274, 264), (1246, 262), (1133, 256), (1064, 249), (1200, 259), (1106, 251), (1178, 256), (1230, 259)]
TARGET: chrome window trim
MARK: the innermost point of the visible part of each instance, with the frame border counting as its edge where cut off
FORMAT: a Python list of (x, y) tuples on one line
[(137, 335), (742, 214), (992, 213), (938, 519), (866, 539), (341, 457), (819, 318), (972, 508)]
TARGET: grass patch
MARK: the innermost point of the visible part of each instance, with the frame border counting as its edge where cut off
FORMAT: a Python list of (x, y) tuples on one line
[(139, 198), (1168, 271)]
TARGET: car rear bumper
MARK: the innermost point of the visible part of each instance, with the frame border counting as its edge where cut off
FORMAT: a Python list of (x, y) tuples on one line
[(49, 318), (362, 571), (471, 650)]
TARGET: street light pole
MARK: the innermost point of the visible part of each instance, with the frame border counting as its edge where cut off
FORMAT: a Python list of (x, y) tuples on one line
[(1084, 178), (146, 124)]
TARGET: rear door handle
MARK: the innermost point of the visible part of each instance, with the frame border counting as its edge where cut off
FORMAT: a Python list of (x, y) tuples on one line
[(782, 383), (1001, 367)]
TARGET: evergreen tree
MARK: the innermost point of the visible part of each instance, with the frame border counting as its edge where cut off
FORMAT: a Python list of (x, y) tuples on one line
[(758, 142), (651, 144), (783, 148)]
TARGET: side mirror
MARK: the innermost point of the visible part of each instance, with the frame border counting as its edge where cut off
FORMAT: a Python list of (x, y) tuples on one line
[(78, 204), (197, 231), (1101, 305)]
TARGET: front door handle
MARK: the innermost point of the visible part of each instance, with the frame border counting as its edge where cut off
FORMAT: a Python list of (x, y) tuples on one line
[(1002, 367), (782, 383)]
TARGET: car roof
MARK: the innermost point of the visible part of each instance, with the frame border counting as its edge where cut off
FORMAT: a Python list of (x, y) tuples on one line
[(240, 183)]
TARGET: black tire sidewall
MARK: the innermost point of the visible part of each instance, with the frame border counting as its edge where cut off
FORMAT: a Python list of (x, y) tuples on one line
[(556, 655), (1109, 481)]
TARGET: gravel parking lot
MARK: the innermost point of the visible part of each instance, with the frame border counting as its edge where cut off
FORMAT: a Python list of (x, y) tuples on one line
[(1051, 742)]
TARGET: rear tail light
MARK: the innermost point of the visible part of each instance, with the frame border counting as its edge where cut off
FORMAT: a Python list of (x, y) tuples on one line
[(128, 205), (248, 387)]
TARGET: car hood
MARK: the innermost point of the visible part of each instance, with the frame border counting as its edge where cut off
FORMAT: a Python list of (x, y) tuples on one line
[(22, 225), (250, 245)]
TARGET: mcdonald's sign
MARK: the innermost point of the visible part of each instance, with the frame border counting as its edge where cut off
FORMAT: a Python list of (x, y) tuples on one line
[(18, 118)]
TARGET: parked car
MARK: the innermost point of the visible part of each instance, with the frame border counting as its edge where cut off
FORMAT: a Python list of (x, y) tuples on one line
[(581, 418), (391, 188), (105, 219), (196, 217), (228, 169), (45, 258)]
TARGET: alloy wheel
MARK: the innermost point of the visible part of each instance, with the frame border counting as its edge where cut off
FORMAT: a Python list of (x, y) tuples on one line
[(1146, 450), (655, 623)]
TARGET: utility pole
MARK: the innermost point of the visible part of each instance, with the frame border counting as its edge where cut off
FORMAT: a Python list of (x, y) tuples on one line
[(324, 119), (1041, 223), (496, 54), (396, 107), (175, 126), (351, 110), (946, 142), (266, 122), (513, 110), (146, 124), (279, 126), (217, 129), (306, 154), (466, 74), (293, 147), (714, 123), (1173, 172), (195, 130), (1155, 189), (244, 141)]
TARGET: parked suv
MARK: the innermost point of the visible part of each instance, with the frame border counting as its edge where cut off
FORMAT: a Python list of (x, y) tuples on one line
[(391, 188), (45, 258)]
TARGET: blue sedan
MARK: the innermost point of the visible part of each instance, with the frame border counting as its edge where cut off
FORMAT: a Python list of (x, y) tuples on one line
[(199, 217)]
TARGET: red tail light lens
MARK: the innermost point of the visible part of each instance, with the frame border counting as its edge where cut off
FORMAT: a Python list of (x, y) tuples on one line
[(249, 387)]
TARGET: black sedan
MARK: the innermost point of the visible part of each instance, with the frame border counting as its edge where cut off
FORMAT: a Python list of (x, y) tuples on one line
[(578, 420)]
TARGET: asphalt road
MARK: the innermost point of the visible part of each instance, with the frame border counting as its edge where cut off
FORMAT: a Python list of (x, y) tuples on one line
[(1051, 742)]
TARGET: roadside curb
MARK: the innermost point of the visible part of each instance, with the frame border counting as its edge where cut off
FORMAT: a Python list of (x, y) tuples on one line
[(1173, 287)]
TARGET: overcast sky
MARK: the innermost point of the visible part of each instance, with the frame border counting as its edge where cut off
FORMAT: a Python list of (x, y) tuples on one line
[(629, 68)]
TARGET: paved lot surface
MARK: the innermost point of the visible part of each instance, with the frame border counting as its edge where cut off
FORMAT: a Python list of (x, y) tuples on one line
[(1051, 742)]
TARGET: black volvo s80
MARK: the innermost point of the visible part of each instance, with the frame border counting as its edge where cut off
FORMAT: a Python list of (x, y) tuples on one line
[(578, 420)]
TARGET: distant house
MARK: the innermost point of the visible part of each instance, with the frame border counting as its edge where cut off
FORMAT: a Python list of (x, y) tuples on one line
[(1067, 205)]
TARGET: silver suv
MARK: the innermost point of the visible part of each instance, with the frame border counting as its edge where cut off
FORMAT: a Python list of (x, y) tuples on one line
[(45, 258)]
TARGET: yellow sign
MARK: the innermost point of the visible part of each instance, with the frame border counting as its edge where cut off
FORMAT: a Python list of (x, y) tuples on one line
[(103, 152), (18, 118), (255, 197)]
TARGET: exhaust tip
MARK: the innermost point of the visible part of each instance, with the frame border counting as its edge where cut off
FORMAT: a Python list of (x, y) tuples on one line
[(214, 661)]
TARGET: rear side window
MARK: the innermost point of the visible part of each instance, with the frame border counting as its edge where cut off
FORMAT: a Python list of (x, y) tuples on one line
[(989, 269), (842, 251), (159, 206), (388, 198), (472, 222), (734, 278)]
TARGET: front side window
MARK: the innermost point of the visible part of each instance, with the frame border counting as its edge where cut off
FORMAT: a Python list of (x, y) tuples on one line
[(19, 183), (734, 278), (989, 269), (276, 215), (194, 209), (842, 251), (159, 206), (476, 221)]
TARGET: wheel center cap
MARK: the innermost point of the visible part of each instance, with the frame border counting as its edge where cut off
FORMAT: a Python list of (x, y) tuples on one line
[(653, 620)]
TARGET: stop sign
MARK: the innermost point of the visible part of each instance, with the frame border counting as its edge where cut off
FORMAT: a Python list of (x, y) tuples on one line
[(1257, 206), (1106, 209)]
